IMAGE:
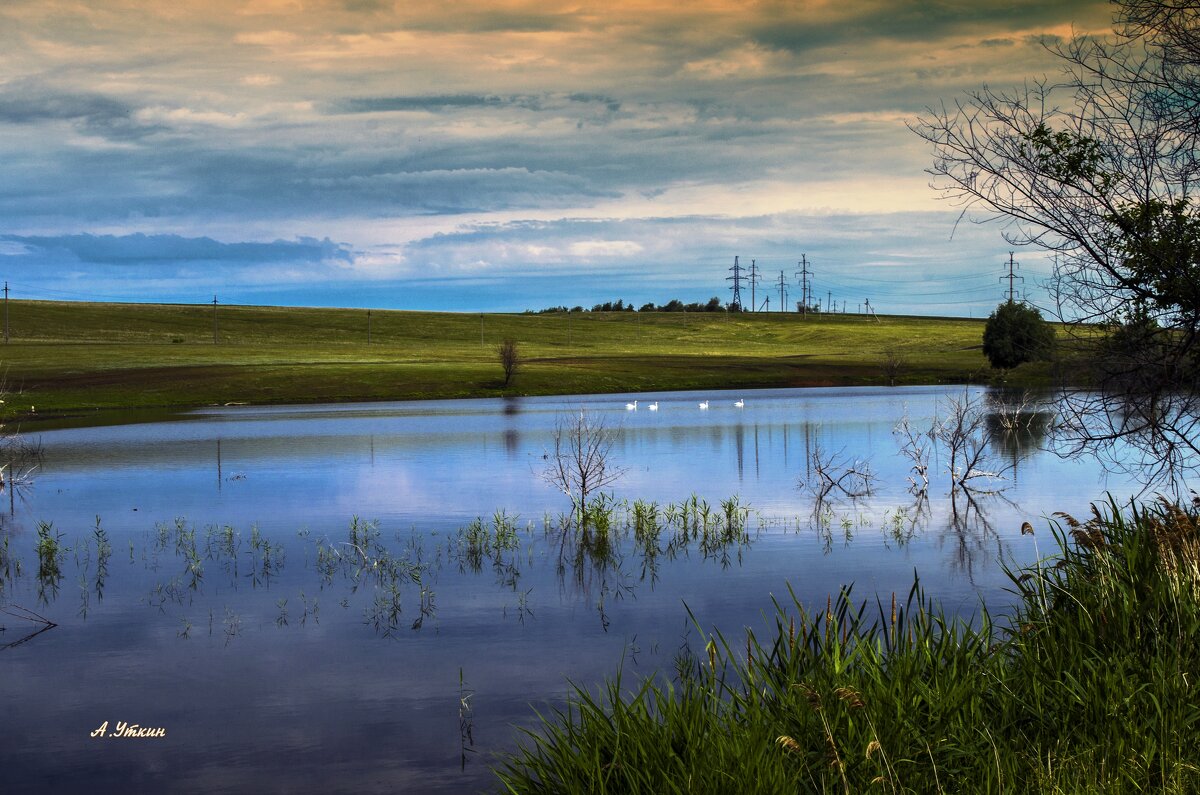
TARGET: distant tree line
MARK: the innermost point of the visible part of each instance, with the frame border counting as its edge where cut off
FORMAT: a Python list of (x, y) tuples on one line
[(674, 305)]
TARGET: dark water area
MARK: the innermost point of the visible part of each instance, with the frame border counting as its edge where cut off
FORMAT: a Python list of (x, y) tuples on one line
[(376, 597)]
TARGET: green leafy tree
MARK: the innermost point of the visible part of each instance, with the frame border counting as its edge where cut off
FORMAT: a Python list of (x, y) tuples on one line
[(1098, 166), (1015, 334)]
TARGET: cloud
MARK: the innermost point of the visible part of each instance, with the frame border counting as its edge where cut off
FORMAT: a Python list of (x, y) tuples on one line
[(30, 102), (429, 103), (486, 18), (528, 264), (604, 248), (797, 28), (140, 249), (675, 130), (260, 80)]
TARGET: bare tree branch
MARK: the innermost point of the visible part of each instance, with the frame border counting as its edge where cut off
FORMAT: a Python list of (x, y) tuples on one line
[(579, 463), (1099, 168)]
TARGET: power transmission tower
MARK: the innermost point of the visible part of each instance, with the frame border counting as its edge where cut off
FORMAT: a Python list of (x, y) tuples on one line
[(754, 276), (214, 302), (802, 275), (1011, 276), (736, 278), (782, 292), (829, 300), (6, 313)]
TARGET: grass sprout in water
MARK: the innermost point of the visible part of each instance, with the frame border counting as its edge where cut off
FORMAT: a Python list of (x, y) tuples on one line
[(390, 579), (1088, 686)]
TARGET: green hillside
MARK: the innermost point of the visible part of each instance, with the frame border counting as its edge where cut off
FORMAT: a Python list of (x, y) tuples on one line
[(67, 358)]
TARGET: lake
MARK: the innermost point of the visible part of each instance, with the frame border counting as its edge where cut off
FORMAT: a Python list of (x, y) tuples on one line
[(375, 597)]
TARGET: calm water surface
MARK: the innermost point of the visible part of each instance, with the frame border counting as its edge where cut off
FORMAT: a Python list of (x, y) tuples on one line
[(227, 598)]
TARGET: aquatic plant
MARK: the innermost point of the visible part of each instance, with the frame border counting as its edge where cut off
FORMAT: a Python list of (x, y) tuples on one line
[(103, 553), (1087, 686), (10, 566), (50, 553)]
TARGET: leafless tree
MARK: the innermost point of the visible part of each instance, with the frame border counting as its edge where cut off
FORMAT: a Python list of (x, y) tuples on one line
[(510, 358), (1099, 168), (891, 364), (580, 462), (1013, 411), (915, 446), (830, 473), (963, 434), (19, 456)]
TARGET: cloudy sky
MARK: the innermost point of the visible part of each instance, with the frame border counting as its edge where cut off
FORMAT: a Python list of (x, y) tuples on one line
[(498, 154)]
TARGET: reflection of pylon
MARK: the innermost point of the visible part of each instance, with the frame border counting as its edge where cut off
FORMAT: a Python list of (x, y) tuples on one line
[(736, 278)]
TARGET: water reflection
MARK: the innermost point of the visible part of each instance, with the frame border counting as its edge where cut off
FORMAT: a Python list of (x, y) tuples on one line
[(402, 578)]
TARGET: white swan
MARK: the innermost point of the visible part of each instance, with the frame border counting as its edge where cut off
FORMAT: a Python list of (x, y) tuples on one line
[(739, 403), (653, 406), (631, 406), (704, 405)]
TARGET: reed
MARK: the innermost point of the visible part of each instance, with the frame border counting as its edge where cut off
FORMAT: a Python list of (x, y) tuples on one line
[(1088, 685)]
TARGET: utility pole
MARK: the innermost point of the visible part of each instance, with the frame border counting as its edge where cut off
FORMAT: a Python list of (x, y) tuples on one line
[(6, 313), (802, 275), (368, 326), (753, 283), (214, 319), (782, 292), (829, 300), (736, 278), (871, 311), (1011, 276)]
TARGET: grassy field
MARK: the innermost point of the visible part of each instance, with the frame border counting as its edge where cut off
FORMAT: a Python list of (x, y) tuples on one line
[(69, 358)]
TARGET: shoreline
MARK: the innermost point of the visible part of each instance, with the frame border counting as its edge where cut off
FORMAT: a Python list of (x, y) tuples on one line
[(107, 417), (77, 361)]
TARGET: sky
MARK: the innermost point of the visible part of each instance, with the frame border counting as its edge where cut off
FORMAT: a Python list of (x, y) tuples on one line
[(501, 155)]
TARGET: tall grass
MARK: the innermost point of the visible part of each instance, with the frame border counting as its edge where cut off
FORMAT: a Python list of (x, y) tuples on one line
[(1089, 685)]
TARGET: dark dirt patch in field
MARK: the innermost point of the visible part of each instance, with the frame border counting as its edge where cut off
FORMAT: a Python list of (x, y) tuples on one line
[(148, 377)]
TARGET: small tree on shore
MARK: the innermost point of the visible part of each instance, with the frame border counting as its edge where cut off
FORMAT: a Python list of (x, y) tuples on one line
[(1016, 334), (510, 358), (892, 364)]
